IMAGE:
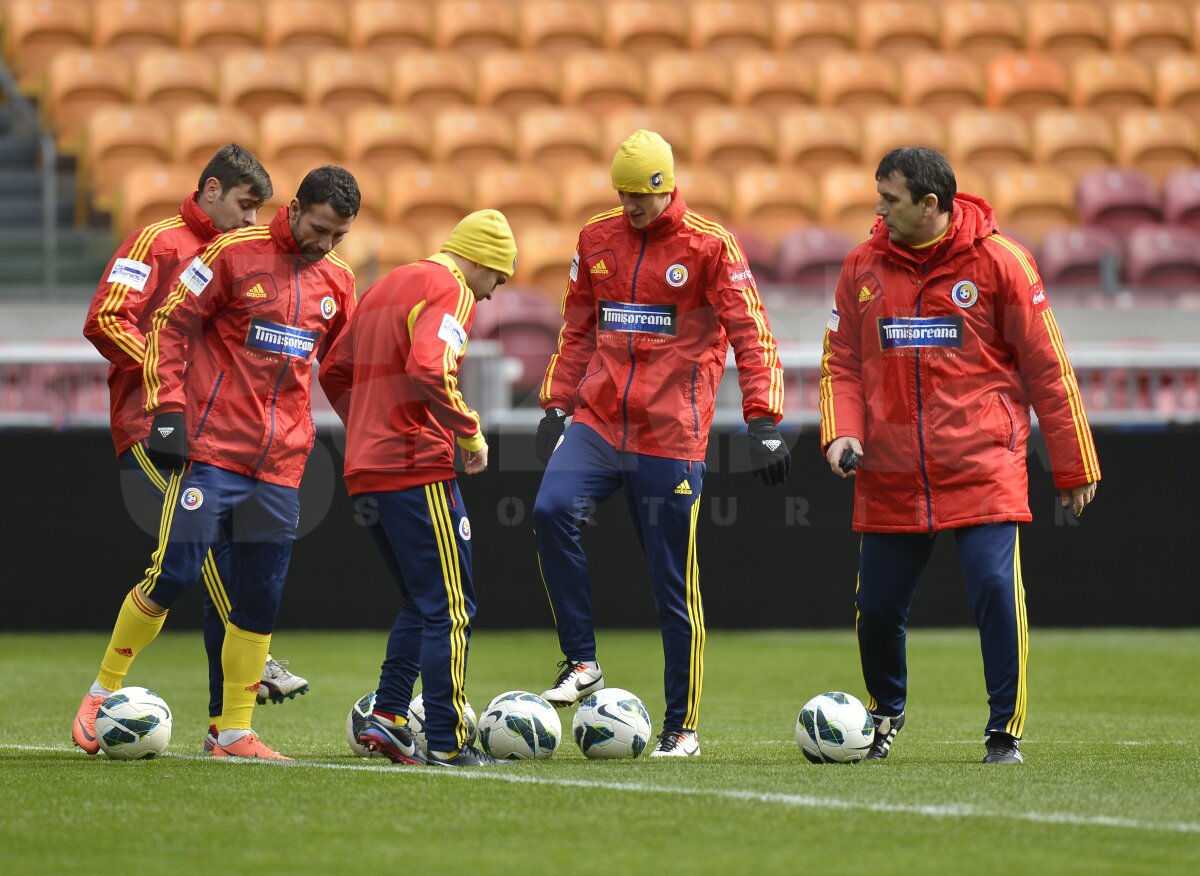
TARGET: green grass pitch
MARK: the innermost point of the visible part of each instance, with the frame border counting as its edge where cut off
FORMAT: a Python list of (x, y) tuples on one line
[(1111, 783)]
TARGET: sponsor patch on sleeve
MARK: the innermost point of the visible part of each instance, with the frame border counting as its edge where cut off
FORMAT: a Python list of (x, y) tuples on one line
[(739, 275), (452, 332), (834, 319), (130, 272), (575, 266), (197, 276), (1037, 297)]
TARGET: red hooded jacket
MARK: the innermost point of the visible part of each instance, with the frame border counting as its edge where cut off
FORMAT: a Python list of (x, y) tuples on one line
[(649, 315), (256, 312), (932, 358)]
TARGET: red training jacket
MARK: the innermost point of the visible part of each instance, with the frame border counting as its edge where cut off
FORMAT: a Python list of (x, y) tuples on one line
[(392, 377), (648, 319), (256, 312), (119, 317), (932, 358)]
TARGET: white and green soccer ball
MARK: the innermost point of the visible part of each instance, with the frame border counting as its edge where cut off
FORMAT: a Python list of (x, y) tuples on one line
[(834, 727), (356, 722), (612, 723), (519, 725), (416, 721), (133, 724)]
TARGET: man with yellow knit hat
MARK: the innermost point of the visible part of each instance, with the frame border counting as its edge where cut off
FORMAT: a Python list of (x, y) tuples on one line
[(657, 293), (392, 378)]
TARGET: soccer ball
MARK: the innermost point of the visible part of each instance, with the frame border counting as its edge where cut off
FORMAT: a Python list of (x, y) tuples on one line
[(834, 727), (416, 721), (519, 725), (611, 723), (133, 724)]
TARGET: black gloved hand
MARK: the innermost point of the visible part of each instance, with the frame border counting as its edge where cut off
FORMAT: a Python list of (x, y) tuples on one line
[(167, 443), (769, 456), (549, 430)]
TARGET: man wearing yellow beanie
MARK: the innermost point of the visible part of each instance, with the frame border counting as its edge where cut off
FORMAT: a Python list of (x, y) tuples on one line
[(393, 380), (657, 293)]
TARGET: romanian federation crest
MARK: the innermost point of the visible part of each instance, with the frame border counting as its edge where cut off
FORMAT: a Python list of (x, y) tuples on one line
[(965, 293), (191, 499), (677, 275)]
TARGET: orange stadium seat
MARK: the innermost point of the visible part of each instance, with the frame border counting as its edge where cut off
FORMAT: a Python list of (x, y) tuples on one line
[(216, 26), (119, 138), (897, 28), (1111, 84), (544, 255), (1032, 200), (586, 190), (772, 200), (304, 24), (1026, 83), (601, 81), (686, 82), (557, 27), (727, 138), (1156, 142), (512, 81), (941, 83), (1149, 29), (375, 251), (813, 27), (619, 124), (134, 24), (1118, 200), (1066, 29), (1181, 197), (1163, 256), (1177, 84), (430, 80), (389, 26), (299, 138), (373, 204), (254, 80), (171, 79), (848, 198), (35, 30), (202, 129), (770, 81), (385, 136), (151, 192), (817, 138), (77, 82), (643, 26), (554, 137), (988, 139), (982, 28), (471, 137), (342, 81), (856, 82), (284, 183), (885, 129), (524, 193), (730, 26), (475, 24), (811, 258), (1078, 141), (428, 194), (974, 181), (705, 190)]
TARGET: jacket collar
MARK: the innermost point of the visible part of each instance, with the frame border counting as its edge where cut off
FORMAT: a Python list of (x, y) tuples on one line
[(669, 217), (972, 219), (281, 232), (197, 220)]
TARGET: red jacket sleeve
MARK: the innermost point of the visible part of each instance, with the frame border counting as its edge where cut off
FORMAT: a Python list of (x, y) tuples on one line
[(576, 341), (842, 403), (129, 282), (336, 372)]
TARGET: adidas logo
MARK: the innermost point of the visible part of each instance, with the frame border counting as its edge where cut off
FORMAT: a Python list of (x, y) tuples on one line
[(772, 444), (864, 294), (165, 430), (257, 291), (598, 268), (684, 489)]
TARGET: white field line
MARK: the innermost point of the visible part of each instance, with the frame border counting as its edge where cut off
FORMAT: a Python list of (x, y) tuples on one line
[(798, 801)]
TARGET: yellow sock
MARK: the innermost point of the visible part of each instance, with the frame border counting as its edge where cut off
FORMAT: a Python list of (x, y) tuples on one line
[(137, 625), (242, 660)]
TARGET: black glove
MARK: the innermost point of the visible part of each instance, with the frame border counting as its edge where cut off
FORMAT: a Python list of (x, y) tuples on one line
[(849, 460), (167, 444), (549, 430), (769, 456)]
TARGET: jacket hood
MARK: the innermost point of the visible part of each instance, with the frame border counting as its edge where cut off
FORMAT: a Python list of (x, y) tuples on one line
[(668, 218), (197, 221), (972, 219), (281, 231)]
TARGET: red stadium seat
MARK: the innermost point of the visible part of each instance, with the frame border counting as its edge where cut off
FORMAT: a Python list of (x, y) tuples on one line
[(897, 28), (760, 251), (172, 79), (812, 257), (733, 27), (1118, 200), (1163, 256), (1181, 197), (982, 28), (560, 27), (813, 28), (1149, 29), (941, 83), (1086, 257), (526, 323)]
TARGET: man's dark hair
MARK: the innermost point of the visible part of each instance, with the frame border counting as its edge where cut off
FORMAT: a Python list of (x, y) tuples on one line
[(330, 185), (234, 166), (926, 171)]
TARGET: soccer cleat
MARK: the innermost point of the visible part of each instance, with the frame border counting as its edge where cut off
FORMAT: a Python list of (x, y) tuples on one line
[(210, 738), (396, 743), (248, 746), (468, 756), (278, 684), (1002, 748), (575, 682), (83, 731), (886, 729), (677, 743)]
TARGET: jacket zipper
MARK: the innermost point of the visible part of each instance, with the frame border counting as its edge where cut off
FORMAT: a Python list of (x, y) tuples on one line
[(212, 398), (282, 371), (921, 410), (629, 344)]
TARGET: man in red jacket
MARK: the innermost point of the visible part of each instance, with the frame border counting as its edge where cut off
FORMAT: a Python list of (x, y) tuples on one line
[(657, 294), (941, 339), (228, 371), (392, 376)]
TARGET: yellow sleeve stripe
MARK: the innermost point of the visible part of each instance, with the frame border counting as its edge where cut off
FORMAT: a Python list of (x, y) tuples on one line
[(412, 317), (706, 226), (443, 529), (1026, 265), (548, 380), (450, 383), (607, 214), (340, 262), (106, 317), (1083, 434), (828, 423)]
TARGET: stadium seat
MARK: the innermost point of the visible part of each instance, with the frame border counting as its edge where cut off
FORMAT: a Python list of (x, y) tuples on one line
[(118, 138), (216, 26), (372, 207), (772, 200), (474, 24), (856, 82), (760, 252), (586, 191), (941, 83), (1078, 141), (728, 138), (705, 190), (152, 192), (471, 137), (524, 193), (386, 136), (812, 28), (618, 124), (1156, 141), (982, 28), (425, 194), (1067, 29), (1032, 200), (343, 80), (817, 138), (886, 129), (1177, 84), (896, 28), (1117, 200), (431, 80), (733, 27), (387, 27), (254, 80), (35, 30), (299, 138), (848, 198), (686, 82), (544, 258), (1149, 29), (643, 27), (973, 181), (559, 27), (988, 139), (526, 322), (172, 79), (284, 183), (811, 258), (375, 251), (1027, 83), (133, 24), (512, 80), (304, 24), (1083, 258), (601, 81), (1164, 257), (77, 82), (202, 129), (770, 81), (1181, 197), (1111, 84), (555, 137)]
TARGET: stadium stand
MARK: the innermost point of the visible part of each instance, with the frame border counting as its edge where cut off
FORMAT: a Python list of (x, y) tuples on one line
[(133, 24), (512, 81), (303, 25), (170, 79), (341, 81), (298, 138), (817, 138), (810, 258), (988, 139), (35, 31), (982, 28), (425, 194), (1177, 84), (216, 26), (643, 27), (118, 139), (1164, 257), (686, 82), (474, 24), (1077, 141), (202, 129), (383, 137), (1149, 29), (1118, 200), (1026, 83), (390, 26), (526, 323), (78, 82), (1156, 141), (255, 80), (1111, 84), (586, 191), (941, 83), (523, 192), (812, 28), (730, 138), (897, 28), (1066, 29), (470, 137), (1077, 261), (855, 82), (771, 200), (1181, 197), (1033, 199), (430, 80), (736, 29), (557, 27), (769, 81), (601, 81)]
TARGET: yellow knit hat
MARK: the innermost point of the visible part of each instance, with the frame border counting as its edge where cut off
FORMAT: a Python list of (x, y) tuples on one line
[(644, 164), (485, 238)]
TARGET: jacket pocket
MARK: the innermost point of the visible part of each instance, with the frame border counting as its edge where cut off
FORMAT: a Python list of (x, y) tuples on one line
[(1002, 421), (579, 398), (212, 397)]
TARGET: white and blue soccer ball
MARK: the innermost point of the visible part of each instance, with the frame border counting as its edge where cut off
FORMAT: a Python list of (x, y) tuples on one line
[(612, 723), (133, 724), (356, 722), (834, 727), (416, 721), (519, 725)]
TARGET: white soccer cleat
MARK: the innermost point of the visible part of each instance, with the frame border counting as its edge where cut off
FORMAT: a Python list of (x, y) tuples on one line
[(575, 682), (278, 684), (677, 743)]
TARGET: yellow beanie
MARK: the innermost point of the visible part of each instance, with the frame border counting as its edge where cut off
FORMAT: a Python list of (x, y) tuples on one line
[(644, 164), (485, 238)]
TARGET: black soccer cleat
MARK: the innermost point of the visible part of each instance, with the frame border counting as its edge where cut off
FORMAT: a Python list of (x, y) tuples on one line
[(886, 729), (468, 756), (1003, 748)]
